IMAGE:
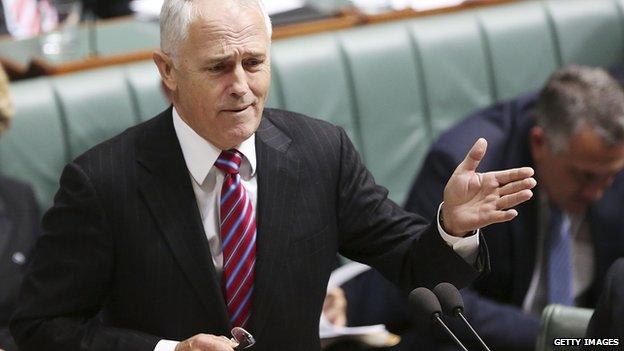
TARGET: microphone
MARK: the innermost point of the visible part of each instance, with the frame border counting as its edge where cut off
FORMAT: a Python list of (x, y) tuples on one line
[(453, 305), (426, 308)]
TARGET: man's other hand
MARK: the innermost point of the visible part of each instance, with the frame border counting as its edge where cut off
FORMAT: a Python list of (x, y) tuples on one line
[(206, 342), (473, 200)]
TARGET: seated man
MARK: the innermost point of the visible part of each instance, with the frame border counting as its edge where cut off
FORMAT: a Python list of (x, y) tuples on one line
[(559, 248), (19, 228), (608, 319)]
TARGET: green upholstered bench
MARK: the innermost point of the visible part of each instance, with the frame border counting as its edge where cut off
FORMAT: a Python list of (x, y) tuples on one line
[(560, 321), (394, 87)]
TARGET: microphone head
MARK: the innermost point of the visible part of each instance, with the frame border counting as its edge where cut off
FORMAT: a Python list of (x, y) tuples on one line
[(450, 299), (424, 305)]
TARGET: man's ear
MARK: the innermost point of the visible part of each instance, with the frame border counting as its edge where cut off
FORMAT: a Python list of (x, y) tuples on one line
[(165, 66), (537, 143)]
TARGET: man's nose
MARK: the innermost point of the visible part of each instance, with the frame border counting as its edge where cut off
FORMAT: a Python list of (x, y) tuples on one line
[(239, 86)]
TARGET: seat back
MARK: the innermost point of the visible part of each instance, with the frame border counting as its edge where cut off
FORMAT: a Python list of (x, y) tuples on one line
[(560, 321)]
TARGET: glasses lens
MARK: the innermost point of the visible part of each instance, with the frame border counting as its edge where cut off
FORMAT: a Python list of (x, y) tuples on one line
[(243, 338)]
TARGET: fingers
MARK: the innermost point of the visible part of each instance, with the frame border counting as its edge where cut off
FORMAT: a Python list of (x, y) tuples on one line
[(519, 185), (514, 199), (501, 216), (512, 175), (474, 156), (206, 342)]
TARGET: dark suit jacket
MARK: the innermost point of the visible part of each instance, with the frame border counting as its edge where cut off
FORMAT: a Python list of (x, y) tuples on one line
[(608, 318), (125, 236), (493, 303), (19, 228)]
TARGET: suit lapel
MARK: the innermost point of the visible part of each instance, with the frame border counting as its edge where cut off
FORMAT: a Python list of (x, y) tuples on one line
[(278, 177), (166, 187)]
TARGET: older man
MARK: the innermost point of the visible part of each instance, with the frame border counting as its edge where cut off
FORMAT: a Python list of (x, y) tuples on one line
[(219, 213)]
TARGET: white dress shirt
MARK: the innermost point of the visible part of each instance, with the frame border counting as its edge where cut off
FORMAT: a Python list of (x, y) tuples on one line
[(200, 156)]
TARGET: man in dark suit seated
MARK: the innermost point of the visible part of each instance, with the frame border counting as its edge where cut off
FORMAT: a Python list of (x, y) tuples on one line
[(564, 239), (218, 213), (19, 228), (607, 321)]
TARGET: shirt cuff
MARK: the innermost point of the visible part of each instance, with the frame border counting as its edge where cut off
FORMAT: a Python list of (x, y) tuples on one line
[(467, 247), (166, 345)]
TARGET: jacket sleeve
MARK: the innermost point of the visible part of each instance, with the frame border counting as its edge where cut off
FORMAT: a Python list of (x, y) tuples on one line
[(403, 246), (69, 278)]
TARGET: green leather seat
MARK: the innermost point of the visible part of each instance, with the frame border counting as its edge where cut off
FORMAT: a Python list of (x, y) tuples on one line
[(389, 103), (521, 47), (562, 322), (588, 32), (454, 66), (314, 79), (96, 105), (145, 88), (35, 150)]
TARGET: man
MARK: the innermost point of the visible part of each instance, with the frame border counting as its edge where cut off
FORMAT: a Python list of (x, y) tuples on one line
[(218, 213), (559, 248), (19, 217), (607, 321)]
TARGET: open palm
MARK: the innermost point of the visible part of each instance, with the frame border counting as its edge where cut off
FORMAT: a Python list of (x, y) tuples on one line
[(473, 200)]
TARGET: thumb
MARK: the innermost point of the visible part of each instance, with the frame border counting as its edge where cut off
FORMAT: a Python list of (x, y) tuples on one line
[(474, 156)]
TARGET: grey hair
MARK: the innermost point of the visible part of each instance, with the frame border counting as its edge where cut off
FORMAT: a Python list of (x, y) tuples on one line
[(177, 15), (577, 96)]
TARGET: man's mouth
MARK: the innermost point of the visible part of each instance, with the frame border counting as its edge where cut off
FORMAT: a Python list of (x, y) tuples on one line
[(238, 109)]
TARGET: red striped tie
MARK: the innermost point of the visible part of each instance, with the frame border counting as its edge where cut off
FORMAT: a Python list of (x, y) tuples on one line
[(238, 236)]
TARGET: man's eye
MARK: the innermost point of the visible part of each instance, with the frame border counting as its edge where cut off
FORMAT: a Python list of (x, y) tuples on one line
[(217, 68), (253, 63)]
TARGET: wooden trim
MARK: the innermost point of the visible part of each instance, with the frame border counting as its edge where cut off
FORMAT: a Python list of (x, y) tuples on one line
[(410, 13)]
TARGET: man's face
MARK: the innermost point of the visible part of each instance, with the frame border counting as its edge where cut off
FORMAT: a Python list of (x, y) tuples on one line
[(578, 175), (221, 76)]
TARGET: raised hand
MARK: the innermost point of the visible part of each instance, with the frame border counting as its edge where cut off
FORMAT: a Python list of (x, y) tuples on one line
[(474, 200)]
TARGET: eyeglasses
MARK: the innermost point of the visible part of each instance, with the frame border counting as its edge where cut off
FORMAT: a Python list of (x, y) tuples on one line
[(243, 338)]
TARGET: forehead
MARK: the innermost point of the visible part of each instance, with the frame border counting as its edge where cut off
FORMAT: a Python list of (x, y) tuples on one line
[(587, 151), (223, 26)]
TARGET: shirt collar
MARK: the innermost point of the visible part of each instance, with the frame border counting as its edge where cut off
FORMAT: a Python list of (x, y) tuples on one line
[(200, 155)]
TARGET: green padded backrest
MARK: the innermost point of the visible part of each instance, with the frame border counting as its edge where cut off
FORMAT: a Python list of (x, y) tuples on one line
[(522, 52), (313, 79), (34, 149), (145, 87), (96, 105), (588, 32), (562, 322), (455, 67), (389, 103)]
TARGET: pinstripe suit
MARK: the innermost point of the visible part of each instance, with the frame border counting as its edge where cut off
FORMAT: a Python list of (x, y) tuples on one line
[(125, 237)]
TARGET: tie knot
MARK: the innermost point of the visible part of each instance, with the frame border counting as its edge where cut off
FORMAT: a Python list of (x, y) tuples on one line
[(229, 161)]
